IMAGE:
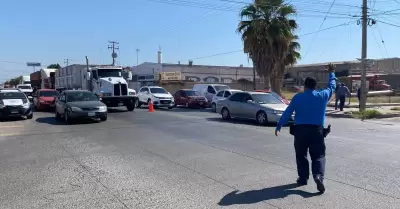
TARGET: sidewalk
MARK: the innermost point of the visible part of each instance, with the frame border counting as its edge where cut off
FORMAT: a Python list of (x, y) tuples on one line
[(355, 104), (346, 113)]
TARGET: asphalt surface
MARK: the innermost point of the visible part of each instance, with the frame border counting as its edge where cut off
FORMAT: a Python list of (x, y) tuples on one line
[(190, 159)]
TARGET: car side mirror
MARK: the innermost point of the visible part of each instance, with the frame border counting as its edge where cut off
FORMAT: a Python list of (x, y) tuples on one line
[(129, 76)]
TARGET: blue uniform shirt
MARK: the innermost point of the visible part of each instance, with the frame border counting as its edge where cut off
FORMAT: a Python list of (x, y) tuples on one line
[(309, 106)]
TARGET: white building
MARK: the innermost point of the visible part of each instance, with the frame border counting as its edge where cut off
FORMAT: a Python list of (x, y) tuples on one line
[(148, 72)]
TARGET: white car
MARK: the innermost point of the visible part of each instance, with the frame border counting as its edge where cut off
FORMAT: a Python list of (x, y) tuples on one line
[(27, 89), (158, 95), (221, 95), (14, 103)]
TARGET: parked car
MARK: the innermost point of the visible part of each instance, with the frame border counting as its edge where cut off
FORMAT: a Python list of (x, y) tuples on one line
[(259, 106), (44, 99), (158, 95), (284, 100), (190, 98), (209, 90), (14, 103), (221, 95), (79, 104)]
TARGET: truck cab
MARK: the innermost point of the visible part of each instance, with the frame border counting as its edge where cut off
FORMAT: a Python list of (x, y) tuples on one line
[(108, 83)]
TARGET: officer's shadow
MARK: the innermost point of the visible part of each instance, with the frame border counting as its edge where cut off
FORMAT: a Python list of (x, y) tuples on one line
[(255, 196)]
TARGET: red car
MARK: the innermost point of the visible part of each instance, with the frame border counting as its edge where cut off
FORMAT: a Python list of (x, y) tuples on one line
[(45, 99), (190, 98), (285, 101)]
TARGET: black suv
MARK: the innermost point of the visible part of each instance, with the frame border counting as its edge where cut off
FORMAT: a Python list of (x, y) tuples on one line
[(14, 103)]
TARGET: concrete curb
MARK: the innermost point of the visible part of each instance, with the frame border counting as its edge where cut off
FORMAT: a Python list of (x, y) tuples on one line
[(368, 105), (383, 116)]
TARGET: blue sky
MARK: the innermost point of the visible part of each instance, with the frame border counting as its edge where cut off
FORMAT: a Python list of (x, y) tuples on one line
[(49, 31)]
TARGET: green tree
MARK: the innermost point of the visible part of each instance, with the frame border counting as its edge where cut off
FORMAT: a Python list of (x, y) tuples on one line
[(54, 66), (267, 30), (14, 81)]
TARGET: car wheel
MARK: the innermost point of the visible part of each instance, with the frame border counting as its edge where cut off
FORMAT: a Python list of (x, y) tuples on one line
[(66, 117), (138, 103), (58, 116), (226, 115), (170, 108), (104, 118), (29, 116), (262, 118), (213, 107)]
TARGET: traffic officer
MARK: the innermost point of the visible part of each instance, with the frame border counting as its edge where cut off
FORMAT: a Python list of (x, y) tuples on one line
[(310, 108)]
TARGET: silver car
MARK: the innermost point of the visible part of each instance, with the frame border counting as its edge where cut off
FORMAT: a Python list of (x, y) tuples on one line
[(221, 95), (259, 106)]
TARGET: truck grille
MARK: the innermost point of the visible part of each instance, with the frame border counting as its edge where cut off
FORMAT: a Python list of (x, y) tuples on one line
[(120, 89)]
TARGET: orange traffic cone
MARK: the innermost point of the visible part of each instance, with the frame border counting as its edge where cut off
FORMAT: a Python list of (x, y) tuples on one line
[(151, 106)]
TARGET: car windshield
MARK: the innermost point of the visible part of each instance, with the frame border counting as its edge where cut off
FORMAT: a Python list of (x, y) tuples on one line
[(12, 95), (192, 93), (275, 95), (109, 73), (219, 88), (24, 87), (81, 96), (48, 94), (266, 99), (158, 91)]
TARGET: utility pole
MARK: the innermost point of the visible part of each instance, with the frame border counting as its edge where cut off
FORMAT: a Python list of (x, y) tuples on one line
[(137, 56), (66, 62), (114, 47), (363, 90)]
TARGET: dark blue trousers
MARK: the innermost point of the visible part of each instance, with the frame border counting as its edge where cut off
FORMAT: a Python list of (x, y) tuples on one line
[(309, 138)]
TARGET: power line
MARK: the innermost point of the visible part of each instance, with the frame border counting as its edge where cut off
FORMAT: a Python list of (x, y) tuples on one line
[(322, 23), (397, 26), (383, 42), (305, 34)]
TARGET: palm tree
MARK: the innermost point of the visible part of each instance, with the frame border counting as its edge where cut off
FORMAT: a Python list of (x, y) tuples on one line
[(267, 33)]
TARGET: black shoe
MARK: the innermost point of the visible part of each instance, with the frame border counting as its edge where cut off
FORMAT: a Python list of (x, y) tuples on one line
[(320, 184), (301, 182)]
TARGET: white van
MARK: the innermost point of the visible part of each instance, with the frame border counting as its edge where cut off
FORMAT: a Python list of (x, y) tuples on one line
[(209, 90)]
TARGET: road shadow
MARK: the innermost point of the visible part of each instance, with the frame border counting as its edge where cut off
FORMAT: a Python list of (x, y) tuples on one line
[(54, 121), (115, 110), (185, 109), (255, 196), (240, 121)]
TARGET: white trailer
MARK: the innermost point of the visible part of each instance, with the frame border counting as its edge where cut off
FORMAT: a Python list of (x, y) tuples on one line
[(26, 79)]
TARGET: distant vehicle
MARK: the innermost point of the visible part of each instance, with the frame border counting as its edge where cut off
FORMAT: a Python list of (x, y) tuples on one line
[(27, 89), (209, 90), (107, 82), (375, 83), (190, 98), (275, 95), (79, 104), (221, 95), (14, 103), (45, 99), (262, 107), (158, 95), (26, 80)]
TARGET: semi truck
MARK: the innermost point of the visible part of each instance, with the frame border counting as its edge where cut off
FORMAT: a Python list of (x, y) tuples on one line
[(107, 82)]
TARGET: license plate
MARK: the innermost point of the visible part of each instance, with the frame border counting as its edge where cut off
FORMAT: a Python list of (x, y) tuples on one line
[(14, 112), (91, 114), (120, 104), (201, 103)]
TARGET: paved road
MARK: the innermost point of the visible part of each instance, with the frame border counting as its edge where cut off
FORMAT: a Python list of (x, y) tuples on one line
[(189, 159)]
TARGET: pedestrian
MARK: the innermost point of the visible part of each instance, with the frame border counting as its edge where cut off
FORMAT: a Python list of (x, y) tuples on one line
[(336, 97), (308, 129), (342, 92)]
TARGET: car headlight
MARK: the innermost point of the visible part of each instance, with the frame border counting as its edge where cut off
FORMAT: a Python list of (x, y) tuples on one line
[(132, 93), (102, 109), (76, 109), (26, 105)]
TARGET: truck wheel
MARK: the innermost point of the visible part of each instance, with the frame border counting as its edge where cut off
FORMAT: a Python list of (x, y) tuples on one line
[(130, 107)]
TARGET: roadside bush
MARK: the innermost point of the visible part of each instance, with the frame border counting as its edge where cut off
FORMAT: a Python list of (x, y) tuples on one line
[(367, 114), (395, 108)]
